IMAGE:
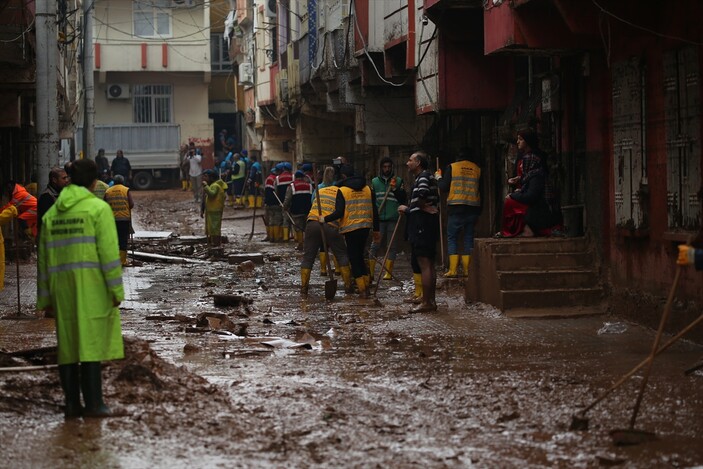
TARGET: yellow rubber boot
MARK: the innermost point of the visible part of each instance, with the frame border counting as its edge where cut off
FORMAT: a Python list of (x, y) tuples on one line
[(230, 201), (347, 278), (372, 267), (184, 185), (389, 270), (259, 201), (417, 278), (251, 200), (304, 281), (123, 257), (465, 262), (323, 263), (361, 285), (190, 185), (286, 234), (279, 233), (453, 265), (367, 280), (336, 265)]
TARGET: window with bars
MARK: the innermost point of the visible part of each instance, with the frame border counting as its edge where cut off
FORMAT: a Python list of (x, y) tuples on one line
[(152, 104), (152, 18), (219, 53)]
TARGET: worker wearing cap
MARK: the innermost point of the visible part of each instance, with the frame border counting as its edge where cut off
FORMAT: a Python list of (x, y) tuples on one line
[(298, 203), (272, 209), (313, 236), (215, 191)]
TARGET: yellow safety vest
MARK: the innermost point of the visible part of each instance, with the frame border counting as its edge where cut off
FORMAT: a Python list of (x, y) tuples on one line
[(463, 189), (116, 196), (358, 212), (328, 201)]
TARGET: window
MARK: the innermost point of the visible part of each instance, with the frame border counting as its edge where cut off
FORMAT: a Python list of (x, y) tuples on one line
[(152, 18), (218, 53), (683, 147), (152, 104)]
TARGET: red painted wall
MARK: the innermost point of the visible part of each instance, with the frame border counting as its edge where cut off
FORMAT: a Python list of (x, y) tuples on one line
[(470, 80)]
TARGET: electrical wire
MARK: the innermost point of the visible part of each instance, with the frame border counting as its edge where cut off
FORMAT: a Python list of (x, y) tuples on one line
[(373, 64), (643, 28)]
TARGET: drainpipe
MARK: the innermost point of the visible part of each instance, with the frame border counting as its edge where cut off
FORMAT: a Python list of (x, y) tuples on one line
[(410, 55), (47, 131), (88, 82)]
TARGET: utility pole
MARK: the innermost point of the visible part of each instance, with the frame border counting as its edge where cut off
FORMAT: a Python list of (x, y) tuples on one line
[(88, 81), (47, 112)]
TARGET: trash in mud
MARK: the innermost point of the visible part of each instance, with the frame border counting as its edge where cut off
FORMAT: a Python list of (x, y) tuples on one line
[(231, 300), (246, 266), (255, 257), (612, 328), (285, 343), (220, 321)]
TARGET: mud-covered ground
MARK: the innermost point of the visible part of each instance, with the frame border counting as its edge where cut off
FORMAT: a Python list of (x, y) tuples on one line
[(353, 383)]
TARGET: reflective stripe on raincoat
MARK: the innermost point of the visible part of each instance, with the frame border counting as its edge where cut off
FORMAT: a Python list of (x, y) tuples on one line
[(79, 275)]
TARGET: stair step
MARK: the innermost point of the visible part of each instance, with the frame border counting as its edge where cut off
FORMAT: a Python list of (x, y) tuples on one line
[(556, 312), (538, 245), (559, 297), (542, 261), (536, 279)]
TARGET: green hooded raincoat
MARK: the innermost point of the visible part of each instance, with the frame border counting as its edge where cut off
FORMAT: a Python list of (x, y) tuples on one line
[(80, 274)]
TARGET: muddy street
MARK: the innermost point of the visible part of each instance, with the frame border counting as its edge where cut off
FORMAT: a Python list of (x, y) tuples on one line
[(274, 380)]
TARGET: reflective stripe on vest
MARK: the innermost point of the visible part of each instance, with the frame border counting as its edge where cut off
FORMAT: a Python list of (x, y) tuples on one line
[(463, 189), (328, 201), (242, 170), (116, 196), (390, 208), (358, 212)]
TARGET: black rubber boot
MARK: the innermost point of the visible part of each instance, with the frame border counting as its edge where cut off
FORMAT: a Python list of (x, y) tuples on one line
[(70, 383), (91, 385)]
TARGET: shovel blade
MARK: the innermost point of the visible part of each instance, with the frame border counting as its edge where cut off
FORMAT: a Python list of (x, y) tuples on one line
[(330, 289)]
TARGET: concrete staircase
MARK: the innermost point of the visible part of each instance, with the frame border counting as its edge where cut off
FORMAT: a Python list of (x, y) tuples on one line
[(536, 277)]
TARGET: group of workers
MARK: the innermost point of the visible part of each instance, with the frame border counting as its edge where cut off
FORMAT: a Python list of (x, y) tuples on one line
[(342, 211)]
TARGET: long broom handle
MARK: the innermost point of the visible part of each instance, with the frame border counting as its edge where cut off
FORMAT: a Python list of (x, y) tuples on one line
[(439, 206), (323, 235), (17, 263), (644, 362), (655, 345), (388, 250)]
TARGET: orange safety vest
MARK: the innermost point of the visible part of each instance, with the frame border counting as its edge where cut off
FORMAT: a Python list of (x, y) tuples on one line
[(26, 205)]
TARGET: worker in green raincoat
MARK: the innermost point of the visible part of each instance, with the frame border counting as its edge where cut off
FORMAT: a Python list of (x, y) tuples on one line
[(215, 190), (80, 280)]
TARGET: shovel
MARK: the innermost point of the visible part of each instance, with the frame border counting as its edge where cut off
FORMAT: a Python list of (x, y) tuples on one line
[(331, 284), (631, 436), (385, 258)]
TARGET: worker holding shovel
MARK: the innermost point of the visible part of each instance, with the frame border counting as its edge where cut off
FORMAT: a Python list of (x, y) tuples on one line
[(319, 234)]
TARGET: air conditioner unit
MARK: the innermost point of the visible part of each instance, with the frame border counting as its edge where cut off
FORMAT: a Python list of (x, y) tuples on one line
[(246, 74), (182, 3), (270, 8), (117, 91)]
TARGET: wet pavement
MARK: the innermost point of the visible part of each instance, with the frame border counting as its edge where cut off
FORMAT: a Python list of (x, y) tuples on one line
[(364, 385)]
